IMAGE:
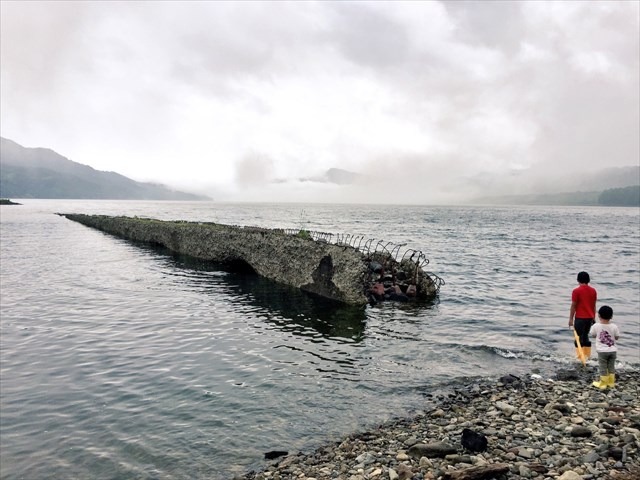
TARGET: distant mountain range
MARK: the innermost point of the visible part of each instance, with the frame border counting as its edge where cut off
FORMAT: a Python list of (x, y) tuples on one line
[(43, 173), (613, 197), (618, 186)]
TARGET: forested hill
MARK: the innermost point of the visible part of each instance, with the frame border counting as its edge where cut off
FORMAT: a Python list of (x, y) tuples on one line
[(608, 187), (612, 197), (43, 173), (624, 197)]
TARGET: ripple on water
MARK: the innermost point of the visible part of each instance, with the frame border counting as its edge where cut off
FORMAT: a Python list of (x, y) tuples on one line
[(120, 361)]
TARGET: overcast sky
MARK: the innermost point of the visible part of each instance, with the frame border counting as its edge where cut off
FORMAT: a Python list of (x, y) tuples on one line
[(438, 98)]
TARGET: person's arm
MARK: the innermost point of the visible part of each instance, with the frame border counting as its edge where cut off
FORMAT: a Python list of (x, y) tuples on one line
[(592, 331), (572, 313), (617, 333)]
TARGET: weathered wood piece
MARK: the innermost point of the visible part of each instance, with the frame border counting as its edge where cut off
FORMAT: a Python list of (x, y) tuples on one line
[(481, 472), (431, 450)]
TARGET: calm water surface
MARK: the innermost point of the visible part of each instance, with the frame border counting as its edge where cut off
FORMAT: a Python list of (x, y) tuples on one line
[(121, 361)]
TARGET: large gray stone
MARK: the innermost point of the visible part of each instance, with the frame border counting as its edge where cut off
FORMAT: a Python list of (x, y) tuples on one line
[(591, 457)]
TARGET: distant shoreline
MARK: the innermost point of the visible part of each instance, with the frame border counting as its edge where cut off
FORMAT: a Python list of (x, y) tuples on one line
[(6, 201)]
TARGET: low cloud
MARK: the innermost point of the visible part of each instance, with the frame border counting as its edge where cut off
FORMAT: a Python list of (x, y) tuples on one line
[(430, 95)]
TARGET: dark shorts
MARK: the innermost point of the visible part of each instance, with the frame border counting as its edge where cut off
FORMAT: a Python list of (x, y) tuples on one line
[(582, 326)]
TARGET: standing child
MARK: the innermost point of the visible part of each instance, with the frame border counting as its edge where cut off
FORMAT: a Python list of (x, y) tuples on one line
[(583, 312), (606, 335)]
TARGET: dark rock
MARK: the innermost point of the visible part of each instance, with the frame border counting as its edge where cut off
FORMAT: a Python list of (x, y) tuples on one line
[(618, 409), (375, 267), (473, 441), (580, 431), (538, 468), (398, 297), (564, 461), (615, 453), (275, 454), (509, 379), (562, 408), (431, 450), (612, 420), (567, 375)]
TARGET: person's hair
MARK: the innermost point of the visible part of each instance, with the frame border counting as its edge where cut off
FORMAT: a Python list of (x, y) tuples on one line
[(605, 312), (583, 277)]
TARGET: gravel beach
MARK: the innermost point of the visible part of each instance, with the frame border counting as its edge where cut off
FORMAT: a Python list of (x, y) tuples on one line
[(507, 428)]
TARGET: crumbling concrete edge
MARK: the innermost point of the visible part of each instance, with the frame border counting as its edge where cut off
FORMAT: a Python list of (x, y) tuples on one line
[(336, 271)]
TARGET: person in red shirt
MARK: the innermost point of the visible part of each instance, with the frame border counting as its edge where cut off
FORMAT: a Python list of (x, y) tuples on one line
[(583, 312)]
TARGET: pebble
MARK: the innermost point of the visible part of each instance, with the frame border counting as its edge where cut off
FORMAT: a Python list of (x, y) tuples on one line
[(545, 429)]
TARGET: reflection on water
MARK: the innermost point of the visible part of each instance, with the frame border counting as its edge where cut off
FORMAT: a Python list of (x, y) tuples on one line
[(293, 308), (288, 308)]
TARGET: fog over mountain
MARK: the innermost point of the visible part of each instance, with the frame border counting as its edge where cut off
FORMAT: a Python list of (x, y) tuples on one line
[(43, 173)]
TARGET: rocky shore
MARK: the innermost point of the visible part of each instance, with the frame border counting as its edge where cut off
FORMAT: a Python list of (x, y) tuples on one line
[(557, 428)]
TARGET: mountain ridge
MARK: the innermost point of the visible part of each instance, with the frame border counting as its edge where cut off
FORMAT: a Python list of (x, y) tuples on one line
[(43, 173)]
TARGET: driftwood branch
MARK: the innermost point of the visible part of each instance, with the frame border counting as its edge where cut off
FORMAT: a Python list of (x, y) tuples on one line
[(477, 473)]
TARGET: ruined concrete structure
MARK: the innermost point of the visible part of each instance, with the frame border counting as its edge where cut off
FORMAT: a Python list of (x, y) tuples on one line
[(339, 271)]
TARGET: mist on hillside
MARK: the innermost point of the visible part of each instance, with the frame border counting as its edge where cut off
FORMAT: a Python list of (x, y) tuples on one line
[(386, 183)]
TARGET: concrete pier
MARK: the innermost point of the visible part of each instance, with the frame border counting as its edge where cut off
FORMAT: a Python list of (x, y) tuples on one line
[(338, 272)]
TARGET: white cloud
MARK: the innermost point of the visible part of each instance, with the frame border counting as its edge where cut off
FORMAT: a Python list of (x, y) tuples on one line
[(228, 95)]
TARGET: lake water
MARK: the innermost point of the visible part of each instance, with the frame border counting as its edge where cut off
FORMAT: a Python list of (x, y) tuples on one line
[(120, 361)]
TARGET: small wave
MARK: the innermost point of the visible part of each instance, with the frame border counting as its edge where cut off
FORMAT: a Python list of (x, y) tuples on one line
[(581, 240), (557, 357), (520, 354), (511, 353), (508, 353)]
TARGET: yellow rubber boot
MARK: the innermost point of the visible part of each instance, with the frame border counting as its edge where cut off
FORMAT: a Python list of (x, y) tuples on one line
[(587, 352), (603, 383), (611, 380)]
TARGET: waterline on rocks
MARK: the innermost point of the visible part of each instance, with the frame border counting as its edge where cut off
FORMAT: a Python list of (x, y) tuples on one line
[(532, 427)]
